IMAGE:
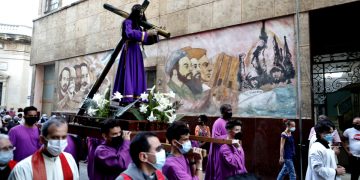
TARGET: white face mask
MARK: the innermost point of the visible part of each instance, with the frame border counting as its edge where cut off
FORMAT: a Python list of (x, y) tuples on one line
[(55, 147), (160, 160), (186, 147), (5, 157)]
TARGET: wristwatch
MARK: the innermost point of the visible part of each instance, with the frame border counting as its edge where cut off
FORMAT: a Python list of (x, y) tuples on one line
[(199, 169)]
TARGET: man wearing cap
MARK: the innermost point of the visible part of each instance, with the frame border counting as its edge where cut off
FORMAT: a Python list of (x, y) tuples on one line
[(178, 67)]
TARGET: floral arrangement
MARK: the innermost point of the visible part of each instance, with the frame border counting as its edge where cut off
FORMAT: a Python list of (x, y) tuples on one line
[(158, 106), (99, 105), (154, 106)]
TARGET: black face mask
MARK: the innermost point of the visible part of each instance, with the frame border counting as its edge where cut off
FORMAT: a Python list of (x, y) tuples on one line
[(117, 141), (31, 120), (201, 123), (227, 115), (356, 126), (238, 136)]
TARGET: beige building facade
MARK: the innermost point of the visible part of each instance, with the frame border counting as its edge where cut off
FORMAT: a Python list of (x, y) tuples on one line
[(84, 28), (15, 69), (269, 59)]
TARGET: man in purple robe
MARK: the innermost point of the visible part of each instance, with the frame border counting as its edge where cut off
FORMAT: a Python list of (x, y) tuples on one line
[(112, 157), (26, 138), (73, 147), (130, 78), (231, 157), (92, 144), (218, 131), (181, 164)]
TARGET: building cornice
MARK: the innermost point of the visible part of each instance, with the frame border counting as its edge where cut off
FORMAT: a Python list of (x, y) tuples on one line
[(18, 33)]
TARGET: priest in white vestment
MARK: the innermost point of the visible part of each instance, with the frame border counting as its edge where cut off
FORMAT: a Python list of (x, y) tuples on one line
[(49, 162), (321, 161)]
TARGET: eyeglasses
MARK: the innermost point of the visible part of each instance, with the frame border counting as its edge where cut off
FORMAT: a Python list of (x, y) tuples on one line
[(31, 116), (8, 148)]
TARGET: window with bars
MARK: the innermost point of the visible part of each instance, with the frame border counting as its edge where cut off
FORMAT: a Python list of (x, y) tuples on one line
[(51, 5)]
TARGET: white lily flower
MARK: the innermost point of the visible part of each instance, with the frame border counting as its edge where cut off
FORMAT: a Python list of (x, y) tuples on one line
[(151, 117), (144, 96), (171, 94), (97, 98), (161, 108), (91, 111), (165, 102), (103, 103), (152, 90), (171, 111), (117, 95), (158, 96), (171, 118), (143, 108)]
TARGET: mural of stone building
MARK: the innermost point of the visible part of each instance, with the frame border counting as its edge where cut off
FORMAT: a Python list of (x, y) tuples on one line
[(15, 70), (256, 55)]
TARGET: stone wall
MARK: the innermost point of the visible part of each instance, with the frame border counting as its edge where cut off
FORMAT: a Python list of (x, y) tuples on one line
[(87, 27)]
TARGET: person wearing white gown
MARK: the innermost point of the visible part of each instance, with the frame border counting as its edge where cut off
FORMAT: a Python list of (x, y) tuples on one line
[(322, 163), (49, 162)]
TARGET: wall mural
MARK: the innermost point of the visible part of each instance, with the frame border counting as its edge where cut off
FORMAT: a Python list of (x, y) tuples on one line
[(77, 75), (250, 66)]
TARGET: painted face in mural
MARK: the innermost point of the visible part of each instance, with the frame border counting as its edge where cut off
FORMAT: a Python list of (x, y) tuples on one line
[(78, 78), (64, 81), (184, 69), (277, 75), (71, 88), (195, 68), (205, 68), (85, 78), (254, 83)]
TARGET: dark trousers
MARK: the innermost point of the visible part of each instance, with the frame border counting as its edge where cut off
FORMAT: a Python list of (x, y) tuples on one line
[(355, 167)]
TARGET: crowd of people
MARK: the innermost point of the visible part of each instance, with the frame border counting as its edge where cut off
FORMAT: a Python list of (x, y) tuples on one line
[(28, 152)]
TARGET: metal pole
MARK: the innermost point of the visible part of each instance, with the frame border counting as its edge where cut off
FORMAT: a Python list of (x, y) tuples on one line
[(299, 102)]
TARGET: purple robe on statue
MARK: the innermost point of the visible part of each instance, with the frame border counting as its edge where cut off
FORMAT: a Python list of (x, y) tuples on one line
[(231, 161), (92, 144), (218, 131), (130, 78), (178, 168), (110, 162)]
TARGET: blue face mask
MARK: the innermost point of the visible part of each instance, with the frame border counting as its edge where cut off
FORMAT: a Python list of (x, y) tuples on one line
[(6, 156), (186, 147), (328, 137), (160, 160), (292, 129)]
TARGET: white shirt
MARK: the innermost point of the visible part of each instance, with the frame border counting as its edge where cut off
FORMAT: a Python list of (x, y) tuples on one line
[(354, 140), (321, 163), (23, 169)]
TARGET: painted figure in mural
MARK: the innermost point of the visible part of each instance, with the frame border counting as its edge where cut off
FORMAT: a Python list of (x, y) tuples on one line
[(258, 59), (85, 78), (78, 77), (196, 84), (64, 82), (206, 68), (282, 71), (66, 101), (178, 67), (282, 61), (130, 78), (71, 89)]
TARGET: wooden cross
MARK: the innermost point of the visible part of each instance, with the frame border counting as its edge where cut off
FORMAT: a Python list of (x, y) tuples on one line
[(117, 50)]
